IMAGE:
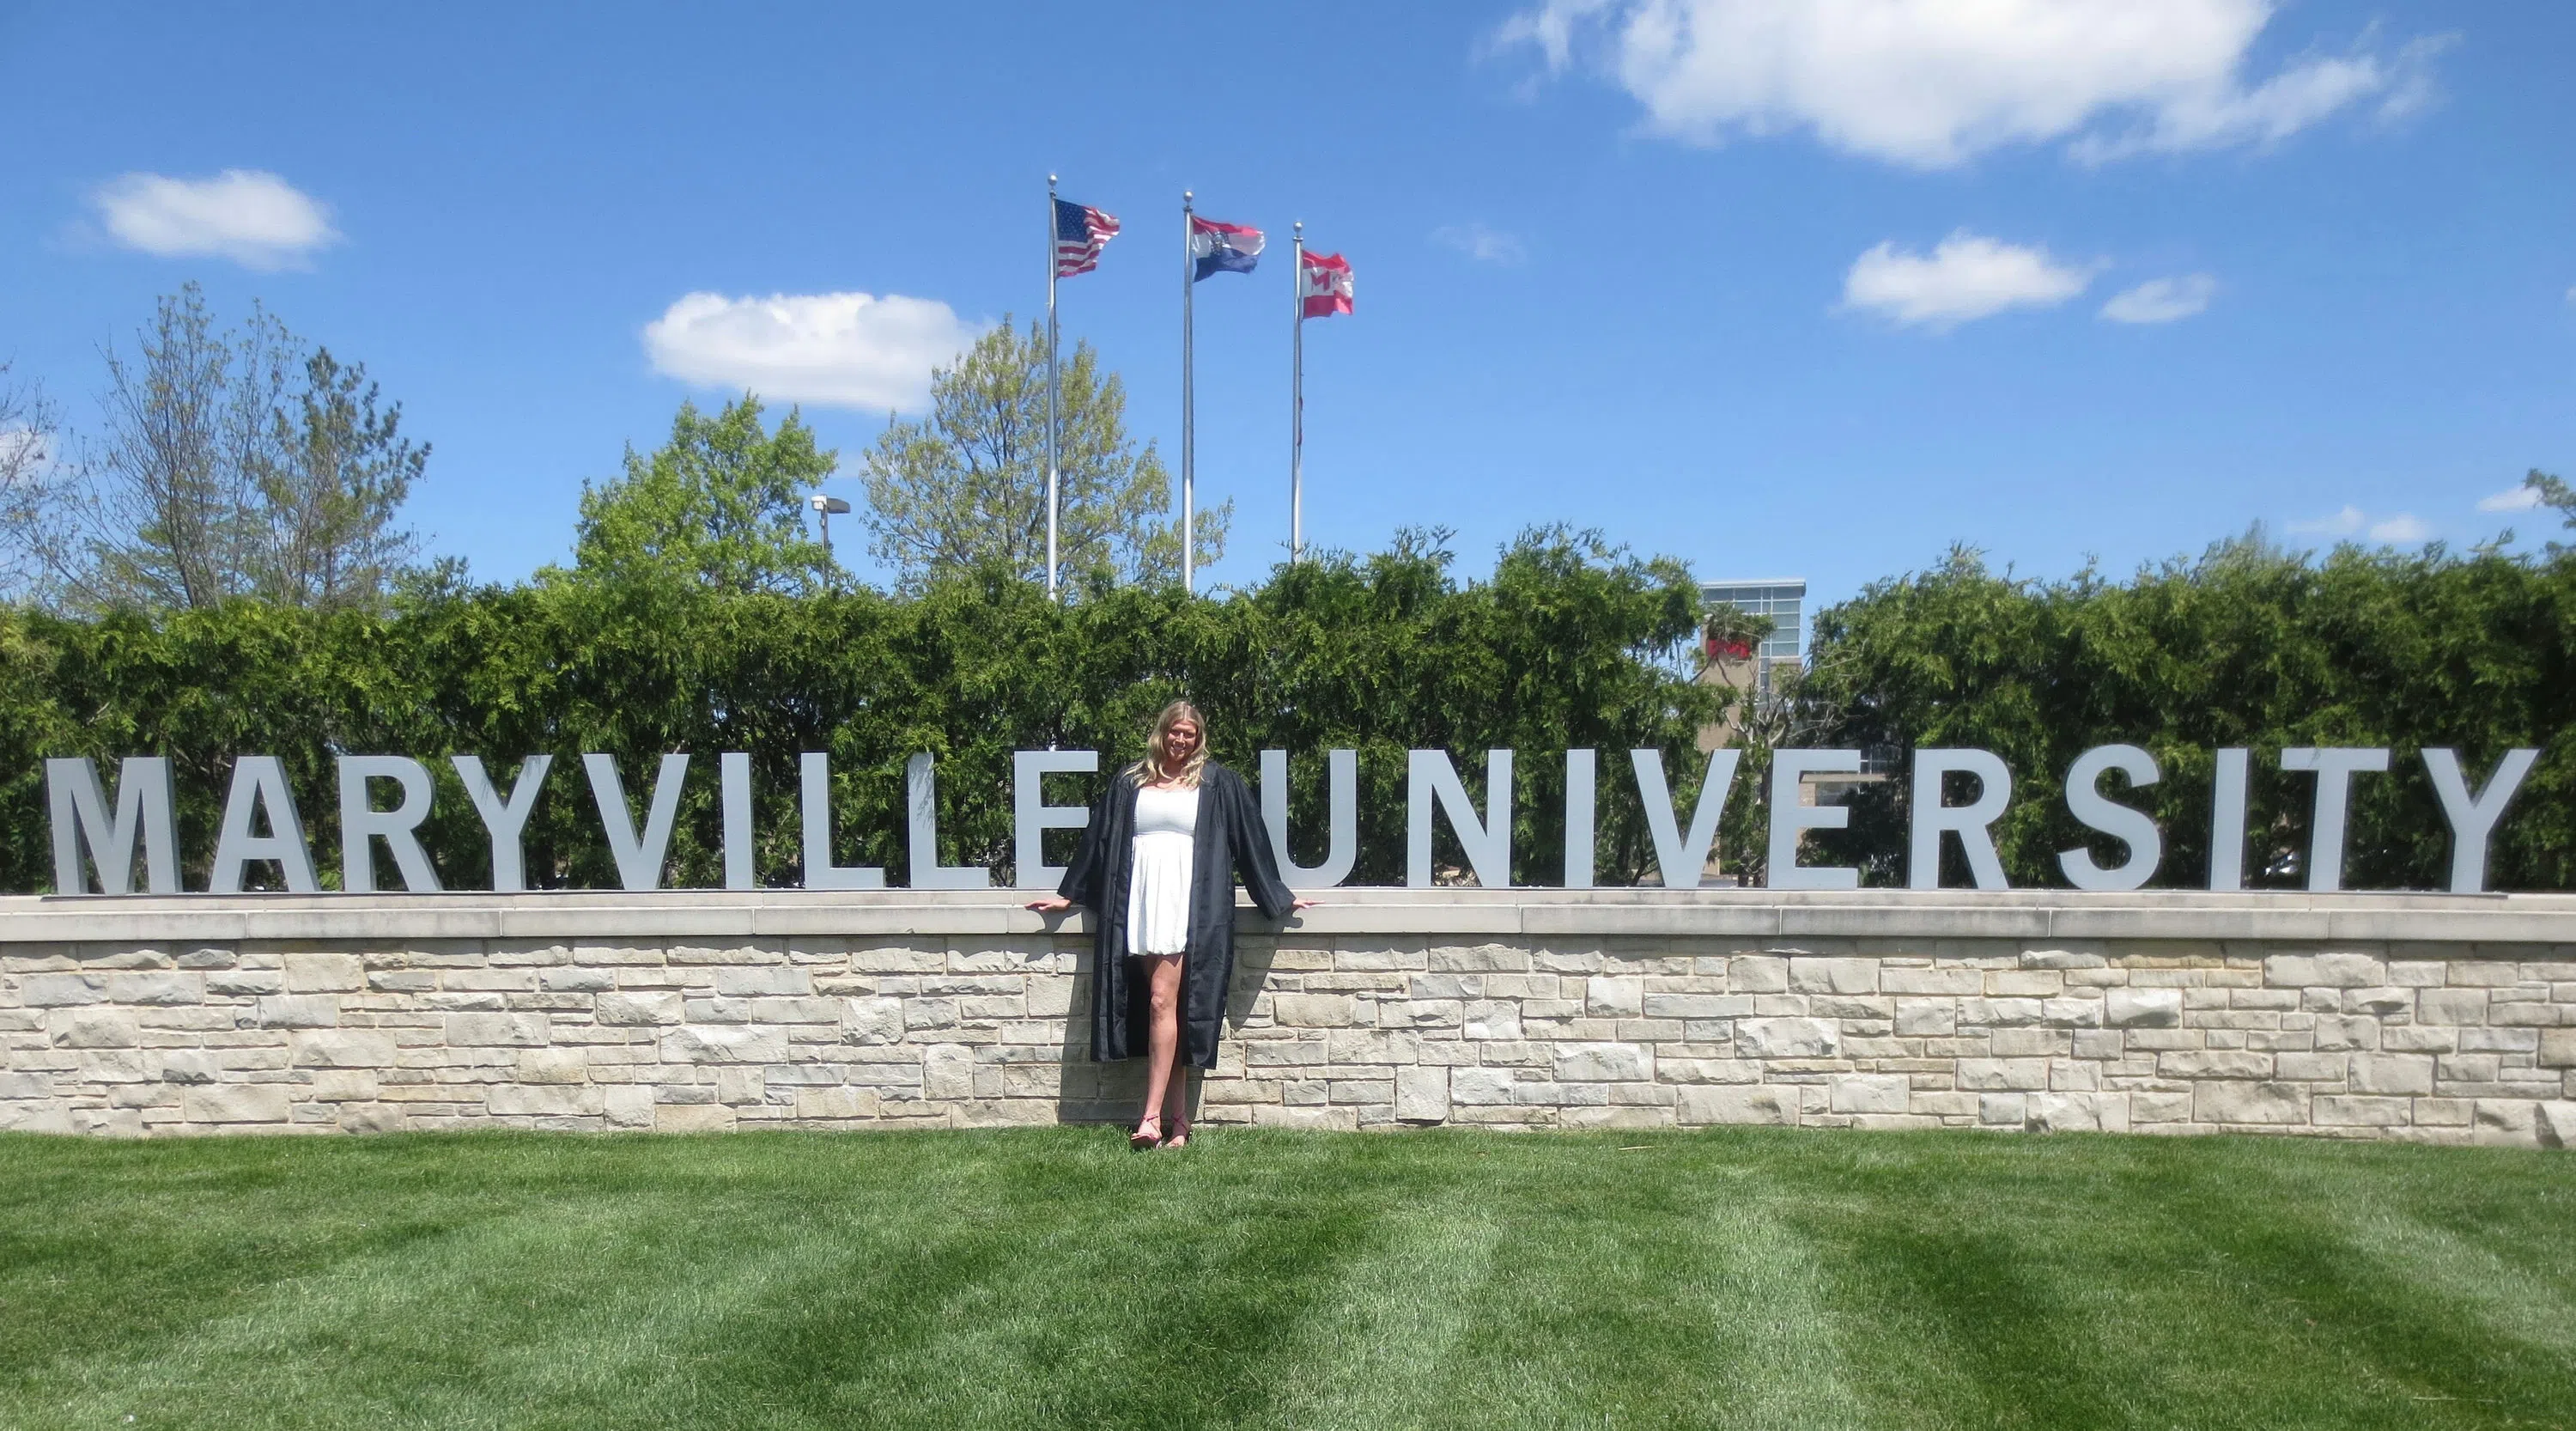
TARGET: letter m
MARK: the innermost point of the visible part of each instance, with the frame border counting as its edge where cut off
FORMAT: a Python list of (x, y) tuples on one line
[(143, 801)]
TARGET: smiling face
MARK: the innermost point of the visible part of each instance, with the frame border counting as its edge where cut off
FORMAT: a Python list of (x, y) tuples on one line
[(1180, 742)]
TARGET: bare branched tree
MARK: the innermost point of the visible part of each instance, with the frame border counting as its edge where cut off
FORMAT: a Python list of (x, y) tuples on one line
[(232, 464), (30, 443)]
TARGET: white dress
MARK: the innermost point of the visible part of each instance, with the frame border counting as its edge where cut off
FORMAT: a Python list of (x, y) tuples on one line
[(1158, 892)]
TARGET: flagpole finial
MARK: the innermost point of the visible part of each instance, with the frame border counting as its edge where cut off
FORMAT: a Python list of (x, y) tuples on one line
[(1050, 181)]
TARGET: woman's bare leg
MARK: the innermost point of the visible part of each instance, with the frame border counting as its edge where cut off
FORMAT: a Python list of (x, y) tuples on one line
[(1165, 1039)]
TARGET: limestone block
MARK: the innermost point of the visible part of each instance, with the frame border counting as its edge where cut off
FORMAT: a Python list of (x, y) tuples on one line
[(1491, 1019), (235, 1103), (372, 1118), (2231, 1101), (1602, 1062), (2001, 1013), (1697, 1006), (189, 1065), (628, 1106), (1606, 997), (1954, 982), (517, 1100), (2341, 1110), (341, 1048), (299, 1011), (2558, 1048), (2555, 1122), (636, 1010), (1669, 1069), (324, 974), (948, 1071), (1982, 1074), (693, 1118), (2339, 971), (877, 1020), (496, 1030), (1422, 1095), (1416, 1013), (345, 1085), (1315, 1011), (95, 1027), (1757, 974), (553, 1065), (2344, 1033), (2505, 1122), (1872, 1093), (786, 1010), (2063, 1113), (2142, 1008), (2025, 983), (165, 988), (1758, 1103), (2380, 1002), (2063, 959), (699, 1043), (1925, 1018), (1481, 1085), (2392, 1073), (237, 983), (1833, 976), (2214, 1063), (44, 991), (576, 980), (1786, 1038), (2451, 1006), (740, 982), (2002, 1110)]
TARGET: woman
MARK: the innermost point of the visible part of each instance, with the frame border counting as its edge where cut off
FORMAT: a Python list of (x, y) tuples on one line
[(1156, 870)]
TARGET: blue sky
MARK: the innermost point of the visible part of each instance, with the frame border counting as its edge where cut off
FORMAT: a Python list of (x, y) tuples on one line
[(1778, 287)]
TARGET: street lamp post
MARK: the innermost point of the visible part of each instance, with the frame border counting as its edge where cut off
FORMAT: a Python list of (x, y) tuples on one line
[(824, 509)]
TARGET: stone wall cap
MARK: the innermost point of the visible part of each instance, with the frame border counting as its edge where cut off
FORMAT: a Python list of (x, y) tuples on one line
[(2360, 916)]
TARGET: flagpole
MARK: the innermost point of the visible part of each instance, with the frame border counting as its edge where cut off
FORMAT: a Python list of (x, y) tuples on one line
[(1051, 389), (1189, 437), (1297, 397)]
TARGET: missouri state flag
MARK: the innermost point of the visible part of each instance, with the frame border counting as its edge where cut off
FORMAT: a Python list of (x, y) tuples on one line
[(1323, 286), (1222, 248)]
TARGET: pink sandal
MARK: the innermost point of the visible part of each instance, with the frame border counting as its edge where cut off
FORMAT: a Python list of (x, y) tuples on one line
[(1179, 1136), (1141, 1139)]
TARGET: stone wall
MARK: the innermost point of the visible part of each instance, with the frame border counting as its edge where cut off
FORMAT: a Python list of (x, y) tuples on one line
[(2435, 1018)]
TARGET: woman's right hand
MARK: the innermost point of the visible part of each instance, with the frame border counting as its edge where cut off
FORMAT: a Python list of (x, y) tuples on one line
[(1053, 904)]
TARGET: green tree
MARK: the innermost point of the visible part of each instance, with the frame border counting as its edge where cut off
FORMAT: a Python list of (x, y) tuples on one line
[(720, 505), (965, 487)]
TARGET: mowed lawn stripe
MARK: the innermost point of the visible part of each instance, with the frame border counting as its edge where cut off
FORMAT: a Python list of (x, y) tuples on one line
[(1733, 1278)]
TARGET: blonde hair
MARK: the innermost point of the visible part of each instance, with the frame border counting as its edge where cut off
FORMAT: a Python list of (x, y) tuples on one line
[(1151, 771)]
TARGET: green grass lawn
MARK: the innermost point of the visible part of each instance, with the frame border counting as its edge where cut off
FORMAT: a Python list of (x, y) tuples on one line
[(1736, 1278)]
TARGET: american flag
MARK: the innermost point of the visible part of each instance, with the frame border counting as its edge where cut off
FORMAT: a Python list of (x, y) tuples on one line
[(1079, 235)]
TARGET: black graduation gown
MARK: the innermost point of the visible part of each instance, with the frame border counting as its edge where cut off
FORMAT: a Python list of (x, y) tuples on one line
[(1229, 839)]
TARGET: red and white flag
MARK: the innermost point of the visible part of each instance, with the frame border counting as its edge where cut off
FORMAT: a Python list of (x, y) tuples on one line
[(1323, 285)]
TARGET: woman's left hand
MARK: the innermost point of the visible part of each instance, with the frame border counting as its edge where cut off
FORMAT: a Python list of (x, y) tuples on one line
[(1297, 904)]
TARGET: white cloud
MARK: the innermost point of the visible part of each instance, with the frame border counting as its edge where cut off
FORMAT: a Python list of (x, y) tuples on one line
[(2403, 528), (831, 349), (2162, 300), (1966, 278), (2511, 499), (1932, 83), (2341, 524), (1481, 243), (24, 451), (256, 219)]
